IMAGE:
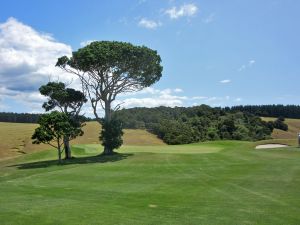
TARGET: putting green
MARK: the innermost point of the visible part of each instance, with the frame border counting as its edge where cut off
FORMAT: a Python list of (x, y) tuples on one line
[(172, 149)]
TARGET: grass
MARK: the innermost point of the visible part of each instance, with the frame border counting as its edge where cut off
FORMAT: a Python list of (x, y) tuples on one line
[(15, 138), (148, 182), (291, 134), (224, 182)]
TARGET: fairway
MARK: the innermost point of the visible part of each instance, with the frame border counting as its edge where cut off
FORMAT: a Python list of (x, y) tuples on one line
[(224, 182)]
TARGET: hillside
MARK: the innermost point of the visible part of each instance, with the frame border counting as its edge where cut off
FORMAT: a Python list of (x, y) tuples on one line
[(292, 133), (15, 138)]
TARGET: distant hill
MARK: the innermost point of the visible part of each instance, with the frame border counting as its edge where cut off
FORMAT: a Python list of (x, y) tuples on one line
[(291, 133)]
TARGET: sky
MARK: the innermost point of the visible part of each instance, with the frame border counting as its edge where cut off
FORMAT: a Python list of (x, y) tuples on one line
[(214, 52)]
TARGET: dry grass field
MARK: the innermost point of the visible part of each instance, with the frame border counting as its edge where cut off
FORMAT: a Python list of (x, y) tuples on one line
[(15, 138), (291, 134)]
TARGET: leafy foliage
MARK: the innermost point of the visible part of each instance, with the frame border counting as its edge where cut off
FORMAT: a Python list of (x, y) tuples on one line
[(108, 68), (111, 133), (181, 125), (53, 127), (68, 100), (138, 63), (287, 111), (279, 124)]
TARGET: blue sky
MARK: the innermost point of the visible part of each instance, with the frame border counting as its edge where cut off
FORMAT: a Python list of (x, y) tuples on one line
[(220, 53)]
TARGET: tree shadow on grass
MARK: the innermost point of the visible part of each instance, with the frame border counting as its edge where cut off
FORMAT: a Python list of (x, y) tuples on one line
[(82, 160)]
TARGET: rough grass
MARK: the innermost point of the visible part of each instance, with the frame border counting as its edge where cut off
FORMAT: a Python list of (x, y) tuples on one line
[(217, 183), (288, 137), (15, 138)]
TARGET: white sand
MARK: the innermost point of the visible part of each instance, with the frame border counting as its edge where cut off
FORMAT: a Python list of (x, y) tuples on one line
[(271, 146)]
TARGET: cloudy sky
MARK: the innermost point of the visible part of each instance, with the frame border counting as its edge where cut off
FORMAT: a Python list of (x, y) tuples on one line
[(219, 53)]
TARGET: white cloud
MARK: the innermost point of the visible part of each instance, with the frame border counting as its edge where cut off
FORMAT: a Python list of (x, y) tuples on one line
[(151, 97), (27, 60), (85, 43), (199, 97), (150, 102), (225, 81), (248, 65), (28, 57), (251, 62), (178, 90), (210, 18), (31, 100), (149, 24), (187, 10)]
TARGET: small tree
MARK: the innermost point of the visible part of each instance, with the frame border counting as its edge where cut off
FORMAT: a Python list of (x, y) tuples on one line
[(52, 130), (107, 69), (68, 101), (111, 134)]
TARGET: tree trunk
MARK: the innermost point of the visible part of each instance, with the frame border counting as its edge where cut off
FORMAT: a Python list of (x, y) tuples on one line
[(107, 149), (59, 153), (68, 154), (67, 148)]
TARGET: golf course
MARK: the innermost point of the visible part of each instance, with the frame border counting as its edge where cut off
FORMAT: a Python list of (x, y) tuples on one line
[(219, 182), (139, 112)]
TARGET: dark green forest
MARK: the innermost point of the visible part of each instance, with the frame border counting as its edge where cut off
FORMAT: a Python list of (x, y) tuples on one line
[(182, 125), (287, 111), (19, 117), (26, 117)]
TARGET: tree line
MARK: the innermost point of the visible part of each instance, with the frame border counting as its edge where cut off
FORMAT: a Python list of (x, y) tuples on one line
[(287, 111), (182, 125), (19, 117), (12, 117)]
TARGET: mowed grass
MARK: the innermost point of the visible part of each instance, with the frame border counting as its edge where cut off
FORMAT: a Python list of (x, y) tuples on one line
[(15, 138), (226, 182)]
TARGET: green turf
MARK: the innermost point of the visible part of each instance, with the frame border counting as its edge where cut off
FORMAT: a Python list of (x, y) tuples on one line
[(215, 183)]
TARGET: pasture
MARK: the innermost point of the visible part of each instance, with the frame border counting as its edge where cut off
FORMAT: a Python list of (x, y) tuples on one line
[(221, 182)]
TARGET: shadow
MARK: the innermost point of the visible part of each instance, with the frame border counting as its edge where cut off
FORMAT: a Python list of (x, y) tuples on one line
[(82, 160)]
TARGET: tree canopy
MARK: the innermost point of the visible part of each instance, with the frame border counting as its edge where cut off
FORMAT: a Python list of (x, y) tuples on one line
[(52, 129), (108, 68), (69, 101), (182, 125)]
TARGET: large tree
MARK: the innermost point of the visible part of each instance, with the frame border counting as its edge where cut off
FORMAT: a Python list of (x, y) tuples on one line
[(69, 101), (108, 68), (53, 128)]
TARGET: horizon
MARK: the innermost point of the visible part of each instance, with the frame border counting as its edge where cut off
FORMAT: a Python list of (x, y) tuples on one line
[(238, 53)]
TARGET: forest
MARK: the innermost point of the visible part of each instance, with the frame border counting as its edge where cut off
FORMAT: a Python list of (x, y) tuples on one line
[(183, 125)]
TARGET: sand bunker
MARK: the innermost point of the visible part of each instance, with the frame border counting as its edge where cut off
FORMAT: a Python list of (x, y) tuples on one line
[(271, 146)]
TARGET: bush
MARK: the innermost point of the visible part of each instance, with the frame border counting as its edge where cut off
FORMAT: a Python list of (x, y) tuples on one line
[(111, 134)]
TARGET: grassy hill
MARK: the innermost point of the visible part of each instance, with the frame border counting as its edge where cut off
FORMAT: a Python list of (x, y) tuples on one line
[(15, 138), (291, 134), (216, 183)]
